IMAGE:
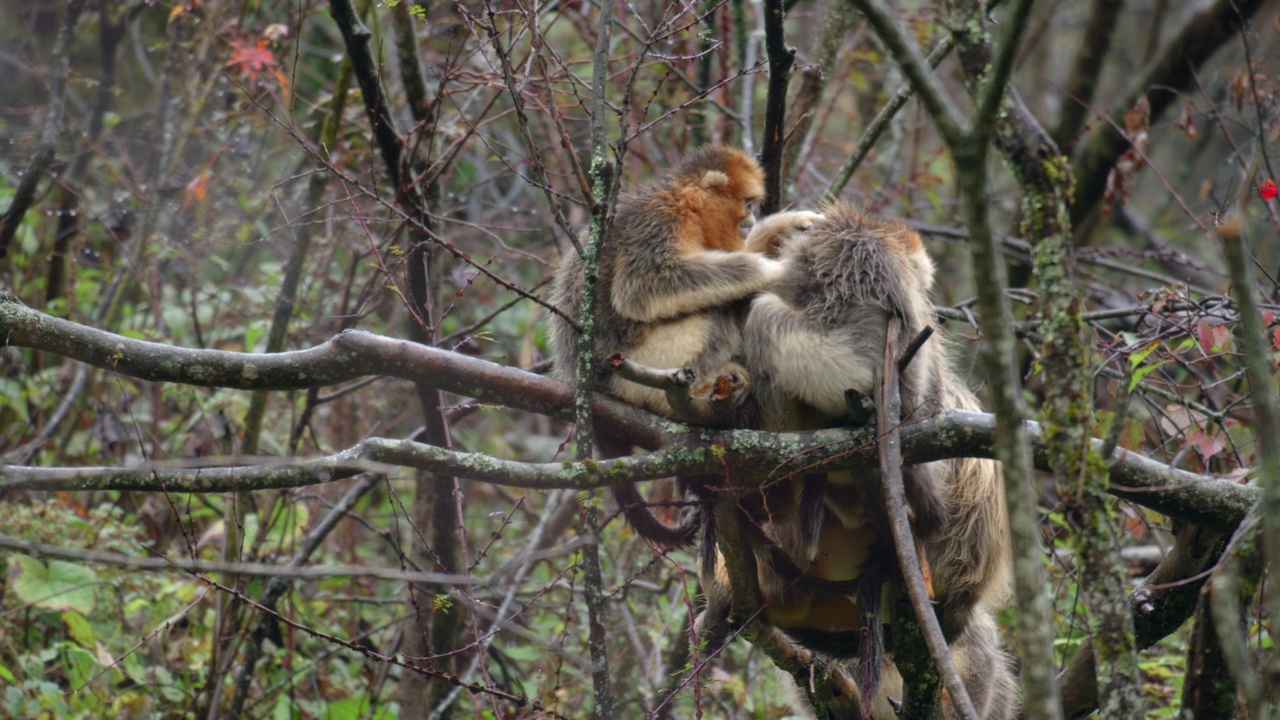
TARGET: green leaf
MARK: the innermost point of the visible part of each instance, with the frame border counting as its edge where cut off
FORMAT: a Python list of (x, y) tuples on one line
[(283, 709), (11, 396), (355, 708), (78, 628), (1141, 373), (133, 667), (58, 586), (251, 335), (289, 528), (1136, 357), (81, 662)]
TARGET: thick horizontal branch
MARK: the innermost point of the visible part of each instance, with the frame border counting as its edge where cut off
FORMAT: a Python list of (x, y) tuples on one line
[(352, 354), (241, 569), (349, 355), (1198, 499)]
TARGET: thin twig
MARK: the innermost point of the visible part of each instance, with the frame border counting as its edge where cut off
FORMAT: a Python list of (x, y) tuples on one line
[(237, 569), (881, 122), (946, 116)]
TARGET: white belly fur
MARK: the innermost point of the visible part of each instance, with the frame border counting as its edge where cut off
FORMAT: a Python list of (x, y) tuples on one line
[(669, 345)]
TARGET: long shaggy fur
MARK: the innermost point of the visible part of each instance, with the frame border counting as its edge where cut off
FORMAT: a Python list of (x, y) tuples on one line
[(671, 269), (673, 280), (819, 331)]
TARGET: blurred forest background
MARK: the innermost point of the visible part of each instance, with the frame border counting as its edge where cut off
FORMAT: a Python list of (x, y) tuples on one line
[(259, 176)]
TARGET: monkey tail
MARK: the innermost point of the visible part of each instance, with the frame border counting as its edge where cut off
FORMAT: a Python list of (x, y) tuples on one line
[(636, 509), (869, 603), (664, 536), (708, 549)]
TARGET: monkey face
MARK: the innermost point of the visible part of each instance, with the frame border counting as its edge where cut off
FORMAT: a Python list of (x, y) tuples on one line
[(715, 213), (730, 194), (727, 221), (749, 218)]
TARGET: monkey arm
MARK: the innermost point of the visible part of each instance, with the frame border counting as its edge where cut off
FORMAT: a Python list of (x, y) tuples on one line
[(649, 289), (767, 235), (812, 366)]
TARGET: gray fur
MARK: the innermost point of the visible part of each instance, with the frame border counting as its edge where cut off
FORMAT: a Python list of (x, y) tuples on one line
[(649, 283), (821, 330)]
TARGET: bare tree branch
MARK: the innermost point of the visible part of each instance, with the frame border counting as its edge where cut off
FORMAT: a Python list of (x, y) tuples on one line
[(781, 58), (25, 193), (1197, 499), (951, 125), (888, 417)]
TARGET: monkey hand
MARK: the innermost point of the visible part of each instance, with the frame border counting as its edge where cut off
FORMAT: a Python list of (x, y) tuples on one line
[(712, 400), (768, 235), (730, 385)]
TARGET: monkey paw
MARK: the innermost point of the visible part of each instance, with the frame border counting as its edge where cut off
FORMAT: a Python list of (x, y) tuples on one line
[(729, 387), (684, 377), (711, 400), (768, 235)]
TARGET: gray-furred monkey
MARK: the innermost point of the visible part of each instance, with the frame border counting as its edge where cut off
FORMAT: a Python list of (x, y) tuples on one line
[(673, 280), (819, 331)]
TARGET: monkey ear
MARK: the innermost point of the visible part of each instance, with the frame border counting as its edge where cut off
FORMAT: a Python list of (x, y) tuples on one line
[(923, 268), (714, 179)]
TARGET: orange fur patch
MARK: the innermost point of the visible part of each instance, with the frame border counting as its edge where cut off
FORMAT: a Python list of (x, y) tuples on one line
[(711, 211), (925, 570)]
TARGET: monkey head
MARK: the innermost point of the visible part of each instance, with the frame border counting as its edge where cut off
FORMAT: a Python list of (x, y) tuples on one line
[(713, 189)]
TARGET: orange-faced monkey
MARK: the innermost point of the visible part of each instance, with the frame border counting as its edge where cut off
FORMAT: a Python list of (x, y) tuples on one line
[(673, 278)]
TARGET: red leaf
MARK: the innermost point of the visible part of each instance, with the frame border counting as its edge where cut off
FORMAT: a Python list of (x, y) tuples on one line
[(1207, 445), (1137, 118), (1205, 335), (252, 59), (1212, 338), (1268, 189), (1134, 524), (1275, 338)]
